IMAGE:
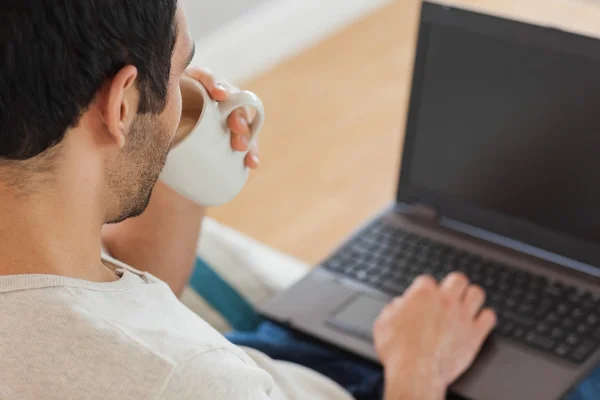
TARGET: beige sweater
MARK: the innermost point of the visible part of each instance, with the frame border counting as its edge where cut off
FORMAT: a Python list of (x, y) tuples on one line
[(62, 338)]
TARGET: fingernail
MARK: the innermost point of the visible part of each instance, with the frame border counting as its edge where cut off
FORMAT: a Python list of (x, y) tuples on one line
[(256, 159), (244, 140), (221, 87), (244, 122)]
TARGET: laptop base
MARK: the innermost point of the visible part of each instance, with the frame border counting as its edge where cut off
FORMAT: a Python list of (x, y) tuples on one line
[(322, 304)]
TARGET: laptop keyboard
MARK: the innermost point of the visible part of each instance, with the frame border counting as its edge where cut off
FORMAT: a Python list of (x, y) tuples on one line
[(546, 315)]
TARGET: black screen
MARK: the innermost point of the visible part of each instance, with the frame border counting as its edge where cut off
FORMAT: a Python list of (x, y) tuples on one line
[(511, 127)]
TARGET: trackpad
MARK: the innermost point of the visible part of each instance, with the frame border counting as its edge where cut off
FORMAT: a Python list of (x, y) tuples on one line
[(357, 316)]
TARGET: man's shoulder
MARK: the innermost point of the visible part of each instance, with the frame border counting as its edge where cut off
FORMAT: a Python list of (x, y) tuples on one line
[(219, 374), (130, 344), (74, 352)]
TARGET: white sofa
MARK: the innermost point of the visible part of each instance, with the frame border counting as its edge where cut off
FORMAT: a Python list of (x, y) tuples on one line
[(253, 269)]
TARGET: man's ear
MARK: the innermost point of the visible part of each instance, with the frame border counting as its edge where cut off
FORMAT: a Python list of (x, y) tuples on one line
[(121, 104)]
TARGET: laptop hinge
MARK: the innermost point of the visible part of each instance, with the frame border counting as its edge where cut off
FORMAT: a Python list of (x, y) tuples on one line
[(420, 211)]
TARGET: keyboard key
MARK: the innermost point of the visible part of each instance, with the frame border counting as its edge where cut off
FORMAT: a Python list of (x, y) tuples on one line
[(397, 274), (503, 286), (543, 308), (525, 309), (507, 329), (575, 297), (563, 309), (461, 253), (447, 267), (561, 351), (393, 287), (553, 290), (411, 238), (476, 266), (568, 323), (495, 298), (387, 259), (588, 301), (505, 276), (596, 334), (398, 234), (583, 351), (583, 329), (361, 275), (540, 342), (542, 328), (538, 283), (521, 279), (421, 257), (531, 297), (510, 316), (553, 318), (557, 334), (436, 262), (489, 283), (511, 303), (518, 333), (572, 340), (577, 313), (593, 320), (375, 280), (348, 269)]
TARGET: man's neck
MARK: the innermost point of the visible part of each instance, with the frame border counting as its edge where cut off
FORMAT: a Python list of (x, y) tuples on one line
[(51, 232)]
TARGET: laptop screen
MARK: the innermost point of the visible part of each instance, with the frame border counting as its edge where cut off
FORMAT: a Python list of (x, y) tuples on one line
[(504, 130)]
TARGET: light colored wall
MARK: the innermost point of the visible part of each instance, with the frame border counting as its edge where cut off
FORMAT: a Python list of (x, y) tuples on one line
[(241, 39), (205, 16)]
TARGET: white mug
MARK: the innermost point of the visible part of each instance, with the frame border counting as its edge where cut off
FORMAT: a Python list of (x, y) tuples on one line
[(204, 167)]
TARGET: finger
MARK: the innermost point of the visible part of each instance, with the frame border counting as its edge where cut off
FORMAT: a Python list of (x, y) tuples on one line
[(485, 324), (239, 142), (238, 123), (474, 299), (391, 309), (240, 132), (454, 285), (381, 321), (422, 284), (216, 89), (397, 302), (248, 112), (229, 86), (252, 160)]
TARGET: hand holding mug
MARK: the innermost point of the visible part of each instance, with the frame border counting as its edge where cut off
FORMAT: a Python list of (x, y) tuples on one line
[(215, 143), (239, 121)]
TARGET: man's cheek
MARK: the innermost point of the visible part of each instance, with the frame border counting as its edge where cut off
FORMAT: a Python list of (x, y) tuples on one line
[(173, 113)]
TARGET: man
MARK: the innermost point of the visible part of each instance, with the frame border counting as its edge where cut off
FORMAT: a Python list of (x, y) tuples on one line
[(89, 106)]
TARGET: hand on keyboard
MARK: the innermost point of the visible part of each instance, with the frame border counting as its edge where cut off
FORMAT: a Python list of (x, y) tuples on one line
[(546, 315), (428, 337)]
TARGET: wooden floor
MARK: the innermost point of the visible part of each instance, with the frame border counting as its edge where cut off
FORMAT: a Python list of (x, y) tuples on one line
[(329, 150), (336, 113)]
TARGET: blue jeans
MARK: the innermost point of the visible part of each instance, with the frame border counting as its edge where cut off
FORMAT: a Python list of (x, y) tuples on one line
[(362, 379)]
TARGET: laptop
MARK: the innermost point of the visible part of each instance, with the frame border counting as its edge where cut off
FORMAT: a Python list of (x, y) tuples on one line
[(500, 179)]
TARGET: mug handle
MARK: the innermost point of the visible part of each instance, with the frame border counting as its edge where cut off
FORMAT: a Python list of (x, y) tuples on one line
[(243, 99)]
